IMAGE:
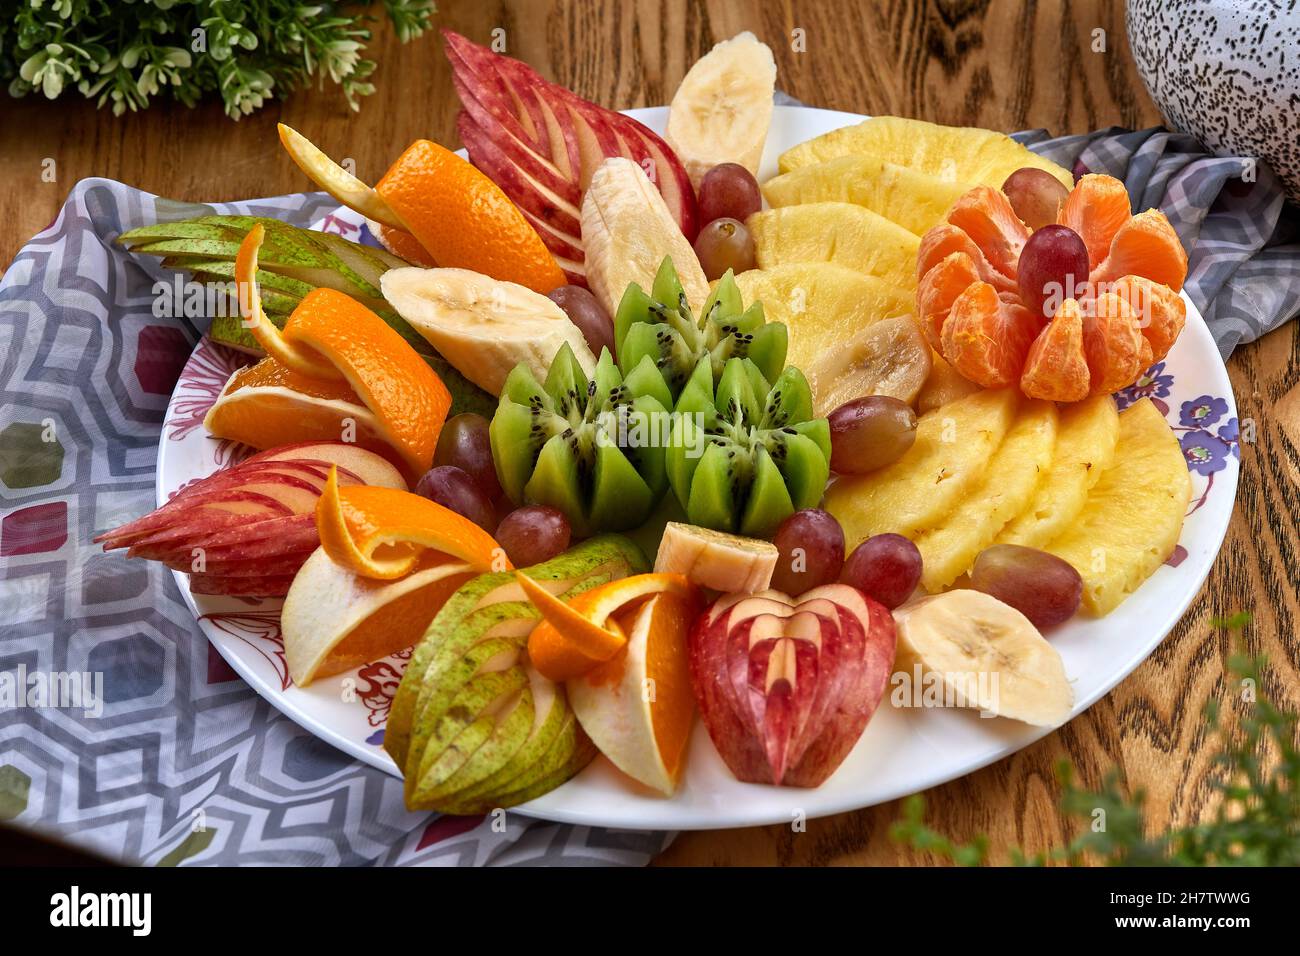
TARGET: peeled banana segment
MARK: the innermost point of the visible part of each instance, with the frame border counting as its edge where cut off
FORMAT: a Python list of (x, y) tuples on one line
[(723, 109), (889, 357), (628, 230), (483, 326), (714, 559), (987, 655)]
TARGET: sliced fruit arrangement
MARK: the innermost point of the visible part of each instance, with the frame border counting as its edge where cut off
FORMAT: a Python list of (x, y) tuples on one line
[(387, 561), (987, 655), (473, 725), (952, 153), (658, 333), (743, 457), (484, 326), (785, 685), (291, 263), (723, 107), (628, 231), (835, 319), (542, 145), (1132, 517), (586, 447), (247, 530), (335, 372), (1078, 307)]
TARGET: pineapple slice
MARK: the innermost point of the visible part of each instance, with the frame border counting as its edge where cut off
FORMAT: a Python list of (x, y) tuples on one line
[(954, 445), (1132, 518), (912, 199), (1007, 486), (951, 153), (838, 232), (1085, 448)]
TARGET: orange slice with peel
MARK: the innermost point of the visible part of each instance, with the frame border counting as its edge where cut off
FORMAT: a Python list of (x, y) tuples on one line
[(578, 635), (464, 220), (334, 358), (380, 535), (268, 336)]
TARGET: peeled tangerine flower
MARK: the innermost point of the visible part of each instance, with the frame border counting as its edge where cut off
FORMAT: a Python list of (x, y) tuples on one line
[(1125, 317)]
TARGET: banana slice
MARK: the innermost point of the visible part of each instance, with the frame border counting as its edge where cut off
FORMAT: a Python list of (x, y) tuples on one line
[(627, 230), (715, 559), (334, 179), (484, 326), (987, 654), (888, 357), (723, 108)]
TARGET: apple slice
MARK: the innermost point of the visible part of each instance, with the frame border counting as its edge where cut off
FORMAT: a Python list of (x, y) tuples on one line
[(786, 687)]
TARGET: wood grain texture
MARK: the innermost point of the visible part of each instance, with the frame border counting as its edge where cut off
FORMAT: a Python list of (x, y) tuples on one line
[(996, 63)]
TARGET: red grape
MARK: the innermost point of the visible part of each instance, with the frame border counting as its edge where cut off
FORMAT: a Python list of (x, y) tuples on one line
[(728, 191), (724, 244), (533, 534), (464, 443), (811, 551), (1053, 268), (869, 433), (453, 488), (1041, 586), (1036, 196), (585, 311), (886, 567)]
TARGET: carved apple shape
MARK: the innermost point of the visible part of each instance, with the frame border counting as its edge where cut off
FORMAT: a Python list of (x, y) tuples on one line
[(786, 686)]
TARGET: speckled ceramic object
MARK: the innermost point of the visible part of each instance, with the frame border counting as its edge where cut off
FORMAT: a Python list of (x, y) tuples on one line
[(1227, 72)]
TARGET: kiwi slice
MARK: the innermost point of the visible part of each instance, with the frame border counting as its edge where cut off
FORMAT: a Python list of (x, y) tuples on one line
[(744, 456), (594, 449), (659, 326)]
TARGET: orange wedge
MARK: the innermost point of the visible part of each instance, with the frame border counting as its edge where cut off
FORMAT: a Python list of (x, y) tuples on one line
[(576, 636), (384, 536), (464, 220), (637, 707), (404, 245), (337, 371)]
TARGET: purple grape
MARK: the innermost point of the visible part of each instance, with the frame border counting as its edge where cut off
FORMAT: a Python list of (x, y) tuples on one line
[(886, 567), (455, 490), (533, 534), (464, 443), (811, 551), (728, 191)]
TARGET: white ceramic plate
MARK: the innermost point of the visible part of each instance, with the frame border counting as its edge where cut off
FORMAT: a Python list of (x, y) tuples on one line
[(901, 752)]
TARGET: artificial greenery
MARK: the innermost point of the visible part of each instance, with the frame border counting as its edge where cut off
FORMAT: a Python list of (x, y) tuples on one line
[(125, 53), (1257, 822)]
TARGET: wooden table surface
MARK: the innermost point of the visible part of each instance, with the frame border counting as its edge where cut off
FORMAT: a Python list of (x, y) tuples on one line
[(1004, 65)]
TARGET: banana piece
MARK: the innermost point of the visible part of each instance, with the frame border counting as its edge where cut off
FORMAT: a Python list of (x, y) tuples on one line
[(715, 559), (988, 654), (888, 357), (627, 230), (483, 326), (722, 110)]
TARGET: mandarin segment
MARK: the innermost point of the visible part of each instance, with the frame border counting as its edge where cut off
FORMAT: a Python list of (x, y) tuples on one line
[(939, 289), (1055, 368), (987, 337), (1112, 344), (464, 220), (1161, 312), (986, 216), (1096, 209), (1147, 246), (946, 239)]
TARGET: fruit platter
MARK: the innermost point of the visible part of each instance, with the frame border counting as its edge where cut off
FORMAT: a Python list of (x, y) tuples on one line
[(699, 466)]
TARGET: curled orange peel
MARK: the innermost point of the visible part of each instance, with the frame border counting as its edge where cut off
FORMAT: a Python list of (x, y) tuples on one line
[(382, 533)]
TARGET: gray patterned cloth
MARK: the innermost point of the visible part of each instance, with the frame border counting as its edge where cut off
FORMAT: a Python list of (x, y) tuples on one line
[(168, 757), (1230, 212)]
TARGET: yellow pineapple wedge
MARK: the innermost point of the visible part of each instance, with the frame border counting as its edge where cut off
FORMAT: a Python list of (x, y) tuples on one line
[(1085, 448), (1006, 487), (954, 445), (833, 316), (837, 232), (953, 153), (1132, 518), (914, 200)]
